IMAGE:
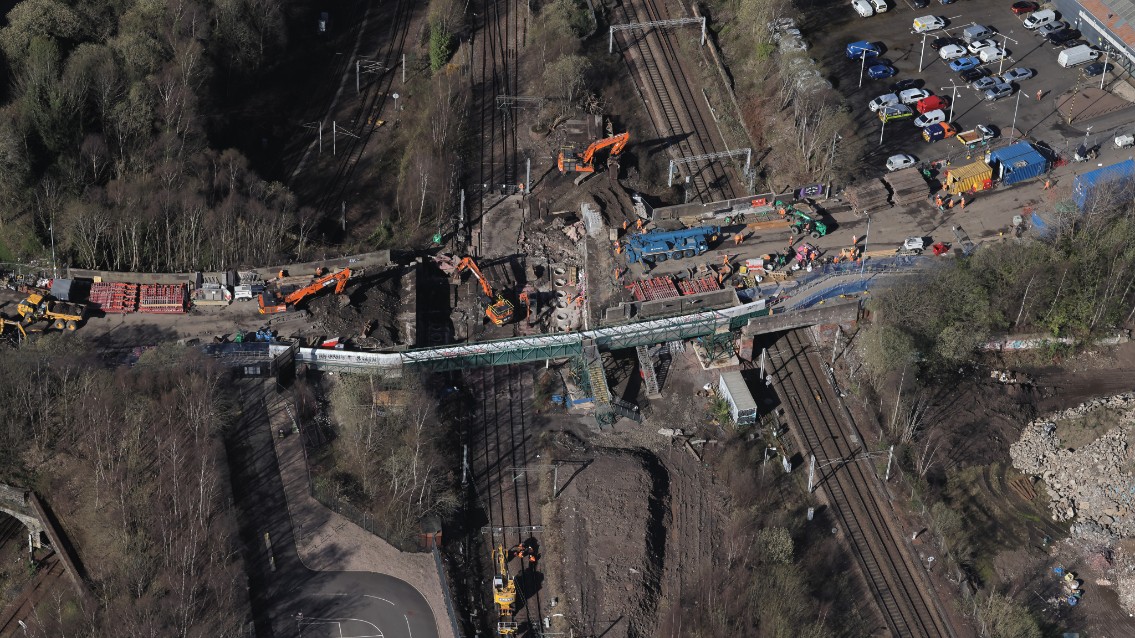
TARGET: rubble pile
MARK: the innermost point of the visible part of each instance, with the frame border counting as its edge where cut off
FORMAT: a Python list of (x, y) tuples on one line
[(558, 243), (1091, 484)]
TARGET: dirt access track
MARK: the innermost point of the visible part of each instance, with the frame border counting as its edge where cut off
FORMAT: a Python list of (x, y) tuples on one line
[(628, 532)]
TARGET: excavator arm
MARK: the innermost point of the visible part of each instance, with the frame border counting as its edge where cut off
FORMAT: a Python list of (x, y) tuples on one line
[(270, 304), (498, 311), (583, 164), (468, 263)]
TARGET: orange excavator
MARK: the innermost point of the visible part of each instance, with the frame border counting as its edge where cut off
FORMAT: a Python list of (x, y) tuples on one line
[(569, 161), (497, 308), (271, 303)]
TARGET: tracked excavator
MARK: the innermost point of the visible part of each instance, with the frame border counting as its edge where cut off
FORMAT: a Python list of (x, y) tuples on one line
[(504, 593), (272, 303), (569, 161), (497, 308)]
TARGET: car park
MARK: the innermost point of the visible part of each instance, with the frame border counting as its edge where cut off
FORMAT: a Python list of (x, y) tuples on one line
[(964, 64), (987, 82), (900, 161), (1022, 8), (863, 8), (992, 54), (998, 91), (1038, 18), (861, 49), (951, 52), (1046, 30), (1017, 75), (933, 117), (977, 45), (974, 74), (908, 83), (1063, 35), (881, 71), (911, 96), (895, 112), (938, 43), (887, 99), (928, 23), (1097, 69)]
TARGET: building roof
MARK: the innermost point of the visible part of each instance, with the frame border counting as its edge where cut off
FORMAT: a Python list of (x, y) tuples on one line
[(1117, 15)]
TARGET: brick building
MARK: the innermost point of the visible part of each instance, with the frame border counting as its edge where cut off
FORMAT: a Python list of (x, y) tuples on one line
[(1107, 24)]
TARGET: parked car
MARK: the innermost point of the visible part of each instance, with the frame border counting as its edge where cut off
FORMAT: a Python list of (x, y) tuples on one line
[(1022, 8), (992, 54), (908, 83), (324, 21), (985, 83), (947, 1), (887, 99), (932, 103), (1046, 30), (881, 71), (998, 91), (928, 23), (911, 96), (861, 49), (895, 112), (1075, 43), (964, 64), (978, 45), (880, 6), (938, 43), (976, 32), (1077, 56), (863, 8), (1017, 75), (1037, 18), (933, 117), (1097, 68), (919, 4), (974, 74), (900, 161), (951, 52), (1064, 35)]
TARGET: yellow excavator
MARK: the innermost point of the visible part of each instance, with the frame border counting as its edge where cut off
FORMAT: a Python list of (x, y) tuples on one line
[(569, 161), (4, 323), (497, 308), (504, 593)]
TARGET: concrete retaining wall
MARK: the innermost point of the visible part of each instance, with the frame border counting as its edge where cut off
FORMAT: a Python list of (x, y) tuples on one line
[(377, 259), (829, 313)]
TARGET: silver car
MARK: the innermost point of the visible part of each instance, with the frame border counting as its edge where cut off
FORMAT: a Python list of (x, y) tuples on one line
[(998, 91), (1017, 74)]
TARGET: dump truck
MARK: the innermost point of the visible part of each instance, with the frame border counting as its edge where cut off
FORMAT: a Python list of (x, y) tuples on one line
[(976, 135), (62, 314), (658, 246)]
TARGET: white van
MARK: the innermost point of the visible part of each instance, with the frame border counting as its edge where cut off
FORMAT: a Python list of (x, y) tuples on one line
[(863, 8), (880, 6), (1037, 18), (925, 24), (1077, 55), (991, 54), (975, 32)]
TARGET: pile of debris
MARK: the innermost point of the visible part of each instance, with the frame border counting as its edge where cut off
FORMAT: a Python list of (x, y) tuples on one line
[(908, 186), (1091, 484), (868, 197)]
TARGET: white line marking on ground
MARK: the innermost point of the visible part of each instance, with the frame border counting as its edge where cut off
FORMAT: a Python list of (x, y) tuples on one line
[(408, 631), (338, 622)]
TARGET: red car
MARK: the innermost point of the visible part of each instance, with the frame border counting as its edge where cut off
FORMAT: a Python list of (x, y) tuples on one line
[(932, 103), (1021, 8)]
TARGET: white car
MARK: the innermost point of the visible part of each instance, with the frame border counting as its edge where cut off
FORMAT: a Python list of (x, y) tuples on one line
[(937, 116), (880, 6), (951, 52), (887, 99), (863, 8), (992, 54), (910, 96), (926, 24), (900, 161), (1017, 74), (978, 45), (1037, 18)]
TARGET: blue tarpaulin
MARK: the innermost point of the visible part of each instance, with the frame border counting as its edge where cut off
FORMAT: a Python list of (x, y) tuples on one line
[(1017, 163)]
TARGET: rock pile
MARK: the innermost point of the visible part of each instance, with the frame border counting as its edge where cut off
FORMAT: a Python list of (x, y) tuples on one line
[(1091, 484)]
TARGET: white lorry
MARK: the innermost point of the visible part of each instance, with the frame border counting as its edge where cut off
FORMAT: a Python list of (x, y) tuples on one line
[(1077, 55)]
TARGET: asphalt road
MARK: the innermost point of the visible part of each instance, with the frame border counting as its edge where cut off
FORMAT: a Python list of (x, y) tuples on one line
[(288, 599)]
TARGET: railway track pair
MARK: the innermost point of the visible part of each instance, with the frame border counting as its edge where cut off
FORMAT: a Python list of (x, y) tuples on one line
[(845, 472), (680, 119), (505, 488)]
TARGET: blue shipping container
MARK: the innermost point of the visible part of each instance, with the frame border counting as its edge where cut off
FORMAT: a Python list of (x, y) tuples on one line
[(1116, 180), (1017, 163)]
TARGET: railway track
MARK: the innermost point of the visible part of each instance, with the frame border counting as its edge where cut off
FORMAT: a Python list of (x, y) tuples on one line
[(679, 116), (507, 494), (374, 103), (843, 471), (496, 72)]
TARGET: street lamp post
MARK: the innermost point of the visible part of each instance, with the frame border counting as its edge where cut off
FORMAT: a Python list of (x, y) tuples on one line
[(884, 127), (1004, 51), (1013, 129), (1106, 51), (953, 97), (922, 53), (863, 256), (862, 66)]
